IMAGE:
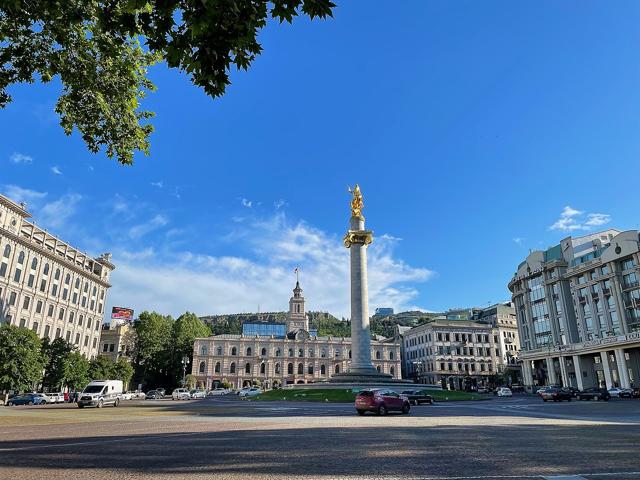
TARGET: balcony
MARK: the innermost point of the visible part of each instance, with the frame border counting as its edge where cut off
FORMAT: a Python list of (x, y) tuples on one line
[(630, 285)]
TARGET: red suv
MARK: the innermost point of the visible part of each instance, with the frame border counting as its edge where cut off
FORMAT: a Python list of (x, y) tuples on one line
[(381, 401)]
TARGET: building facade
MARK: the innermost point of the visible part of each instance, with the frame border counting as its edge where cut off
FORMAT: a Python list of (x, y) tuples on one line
[(115, 340), (457, 354), (578, 311), (274, 355), (502, 317), (47, 285)]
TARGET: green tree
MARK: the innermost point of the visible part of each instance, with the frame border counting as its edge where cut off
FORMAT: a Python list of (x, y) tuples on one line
[(101, 368), (100, 50), (152, 352), (56, 354), (186, 329), (122, 370), (21, 358), (77, 373)]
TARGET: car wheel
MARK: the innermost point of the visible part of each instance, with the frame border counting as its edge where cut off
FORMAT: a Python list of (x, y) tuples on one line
[(30, 403), (100, 404), (360, 412), (431, 401), (382, 410), (406, 408), (117, 402), (10, 404), (544, 399), (80, 405)]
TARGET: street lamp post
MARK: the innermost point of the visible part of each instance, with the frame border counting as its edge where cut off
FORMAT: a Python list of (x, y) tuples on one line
[(185, 360)]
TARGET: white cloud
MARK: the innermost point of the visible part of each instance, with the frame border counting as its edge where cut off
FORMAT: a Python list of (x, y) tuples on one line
[(56, 170), (21, 158), (227, 284), (19, 194), (278, 204), (142, 229), (55, 214), (246, 203), (518, 240), (572, 219), (157, 184)]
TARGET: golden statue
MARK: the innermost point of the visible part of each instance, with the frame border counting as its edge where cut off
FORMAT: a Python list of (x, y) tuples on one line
[(356, 202)]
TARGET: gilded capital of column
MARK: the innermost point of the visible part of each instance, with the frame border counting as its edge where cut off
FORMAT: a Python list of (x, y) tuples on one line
[(360, 237)]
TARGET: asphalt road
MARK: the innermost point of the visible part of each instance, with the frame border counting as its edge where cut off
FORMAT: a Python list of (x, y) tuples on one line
[(228, 438)]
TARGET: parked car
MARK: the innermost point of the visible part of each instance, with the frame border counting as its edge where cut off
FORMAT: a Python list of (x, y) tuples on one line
[(127, 395), (556, 394), (242, 391), (27, 399), (541, 390), (100, 393), (218, 391), (504, 392), (45, 397), (594, 394), (181, 394), (139, 395), (636, 393), (621, 392), (198, 394), (484, 390), (381, 401), (162, 392), (515, 388), (152, 395), (418, 397), (250, 392)]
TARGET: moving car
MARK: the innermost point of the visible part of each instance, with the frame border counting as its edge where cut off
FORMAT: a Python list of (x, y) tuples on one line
[(381, 401), (198, 394), (100, 393), (594, 394), (556, 394), (250, 392), (218, 391), (181, 394), (504, 392), (621, 392), (418, 397), (27, 399), (127, 395)]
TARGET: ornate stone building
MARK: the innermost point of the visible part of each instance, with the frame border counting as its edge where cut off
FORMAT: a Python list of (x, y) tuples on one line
[(274, 355), (47, 285)]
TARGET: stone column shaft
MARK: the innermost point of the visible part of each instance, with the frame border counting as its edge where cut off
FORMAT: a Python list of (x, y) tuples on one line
[(623, 370), (606, 369), (577, 367)]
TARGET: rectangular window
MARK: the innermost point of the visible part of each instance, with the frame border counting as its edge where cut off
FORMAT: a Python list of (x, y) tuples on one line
[(68, 336), (3, 269), (61, 314), (43, 285), (54, 290), (77, 339), (94, 342), (46, 331), (35, 327), (86, 340), (58, 333), (75, 298), (50, 311), (39, 306), (71, 316), (31, 280), (112, 347), (12, 298), (26, 302), (65, 292), (105, 347)]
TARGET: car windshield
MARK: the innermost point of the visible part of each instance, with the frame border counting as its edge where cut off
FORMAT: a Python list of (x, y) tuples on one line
[(366, 393), (93, 389)]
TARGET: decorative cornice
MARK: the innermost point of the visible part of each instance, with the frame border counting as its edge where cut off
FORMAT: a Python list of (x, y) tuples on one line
[(51, 256), (14, 206), (359, 237)]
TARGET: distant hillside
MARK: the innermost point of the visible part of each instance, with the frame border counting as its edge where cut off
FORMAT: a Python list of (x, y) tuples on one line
[(325, 323)]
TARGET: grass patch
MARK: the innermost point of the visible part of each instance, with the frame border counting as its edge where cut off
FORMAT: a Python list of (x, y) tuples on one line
[(347, 396)]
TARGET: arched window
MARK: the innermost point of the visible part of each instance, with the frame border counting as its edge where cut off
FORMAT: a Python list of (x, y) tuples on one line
[(301, 352), (310, 369), (291, 352), (203, 350), (232, 367), (219, 351), (263, 368), (378, 355), (217, 368), (300, 369), (46, 269), (277, 369), (86, 287), (390, 355), (34, 264), (290, 369), (323, 370), (248, 351), (337, 370), (202, 368), (378, 368), (263, 352), (57, 275), (323, 353), (247, 368), (392, 371), (234, 351), (278, 352), (349, 353), (21, 258), (67, 279), (7, 251), (77, 281)]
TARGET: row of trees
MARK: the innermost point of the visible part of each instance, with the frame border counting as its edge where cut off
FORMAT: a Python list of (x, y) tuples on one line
[(27, 362)]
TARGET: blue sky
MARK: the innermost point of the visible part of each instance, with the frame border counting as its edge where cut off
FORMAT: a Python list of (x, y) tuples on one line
[(470, 126)]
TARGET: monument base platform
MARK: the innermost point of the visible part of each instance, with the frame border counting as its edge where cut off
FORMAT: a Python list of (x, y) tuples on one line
[(350, 381)]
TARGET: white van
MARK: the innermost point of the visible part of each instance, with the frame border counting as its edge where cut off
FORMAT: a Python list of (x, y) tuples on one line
[(101, 392)]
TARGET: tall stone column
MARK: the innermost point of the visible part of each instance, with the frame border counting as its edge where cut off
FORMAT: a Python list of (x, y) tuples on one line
[(577, 367), (563, 372), (606, 369), (623, 370), (356, 240), (551, 372)]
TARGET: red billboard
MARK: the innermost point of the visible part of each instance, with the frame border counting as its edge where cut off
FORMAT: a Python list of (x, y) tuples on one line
[(121, 313)]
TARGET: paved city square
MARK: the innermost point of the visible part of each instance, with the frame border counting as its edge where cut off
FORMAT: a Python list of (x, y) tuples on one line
[(519, 438)]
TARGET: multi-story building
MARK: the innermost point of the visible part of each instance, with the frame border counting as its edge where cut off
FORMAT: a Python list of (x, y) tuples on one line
[(578, 311), (457, 354), (47, 285), (277, 354), (116, 340), (502, 317)]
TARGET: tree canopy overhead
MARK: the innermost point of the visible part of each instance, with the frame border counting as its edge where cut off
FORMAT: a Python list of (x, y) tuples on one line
[(101, 49)]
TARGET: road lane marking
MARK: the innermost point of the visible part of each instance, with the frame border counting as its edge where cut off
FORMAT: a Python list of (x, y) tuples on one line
[(564, 477)]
